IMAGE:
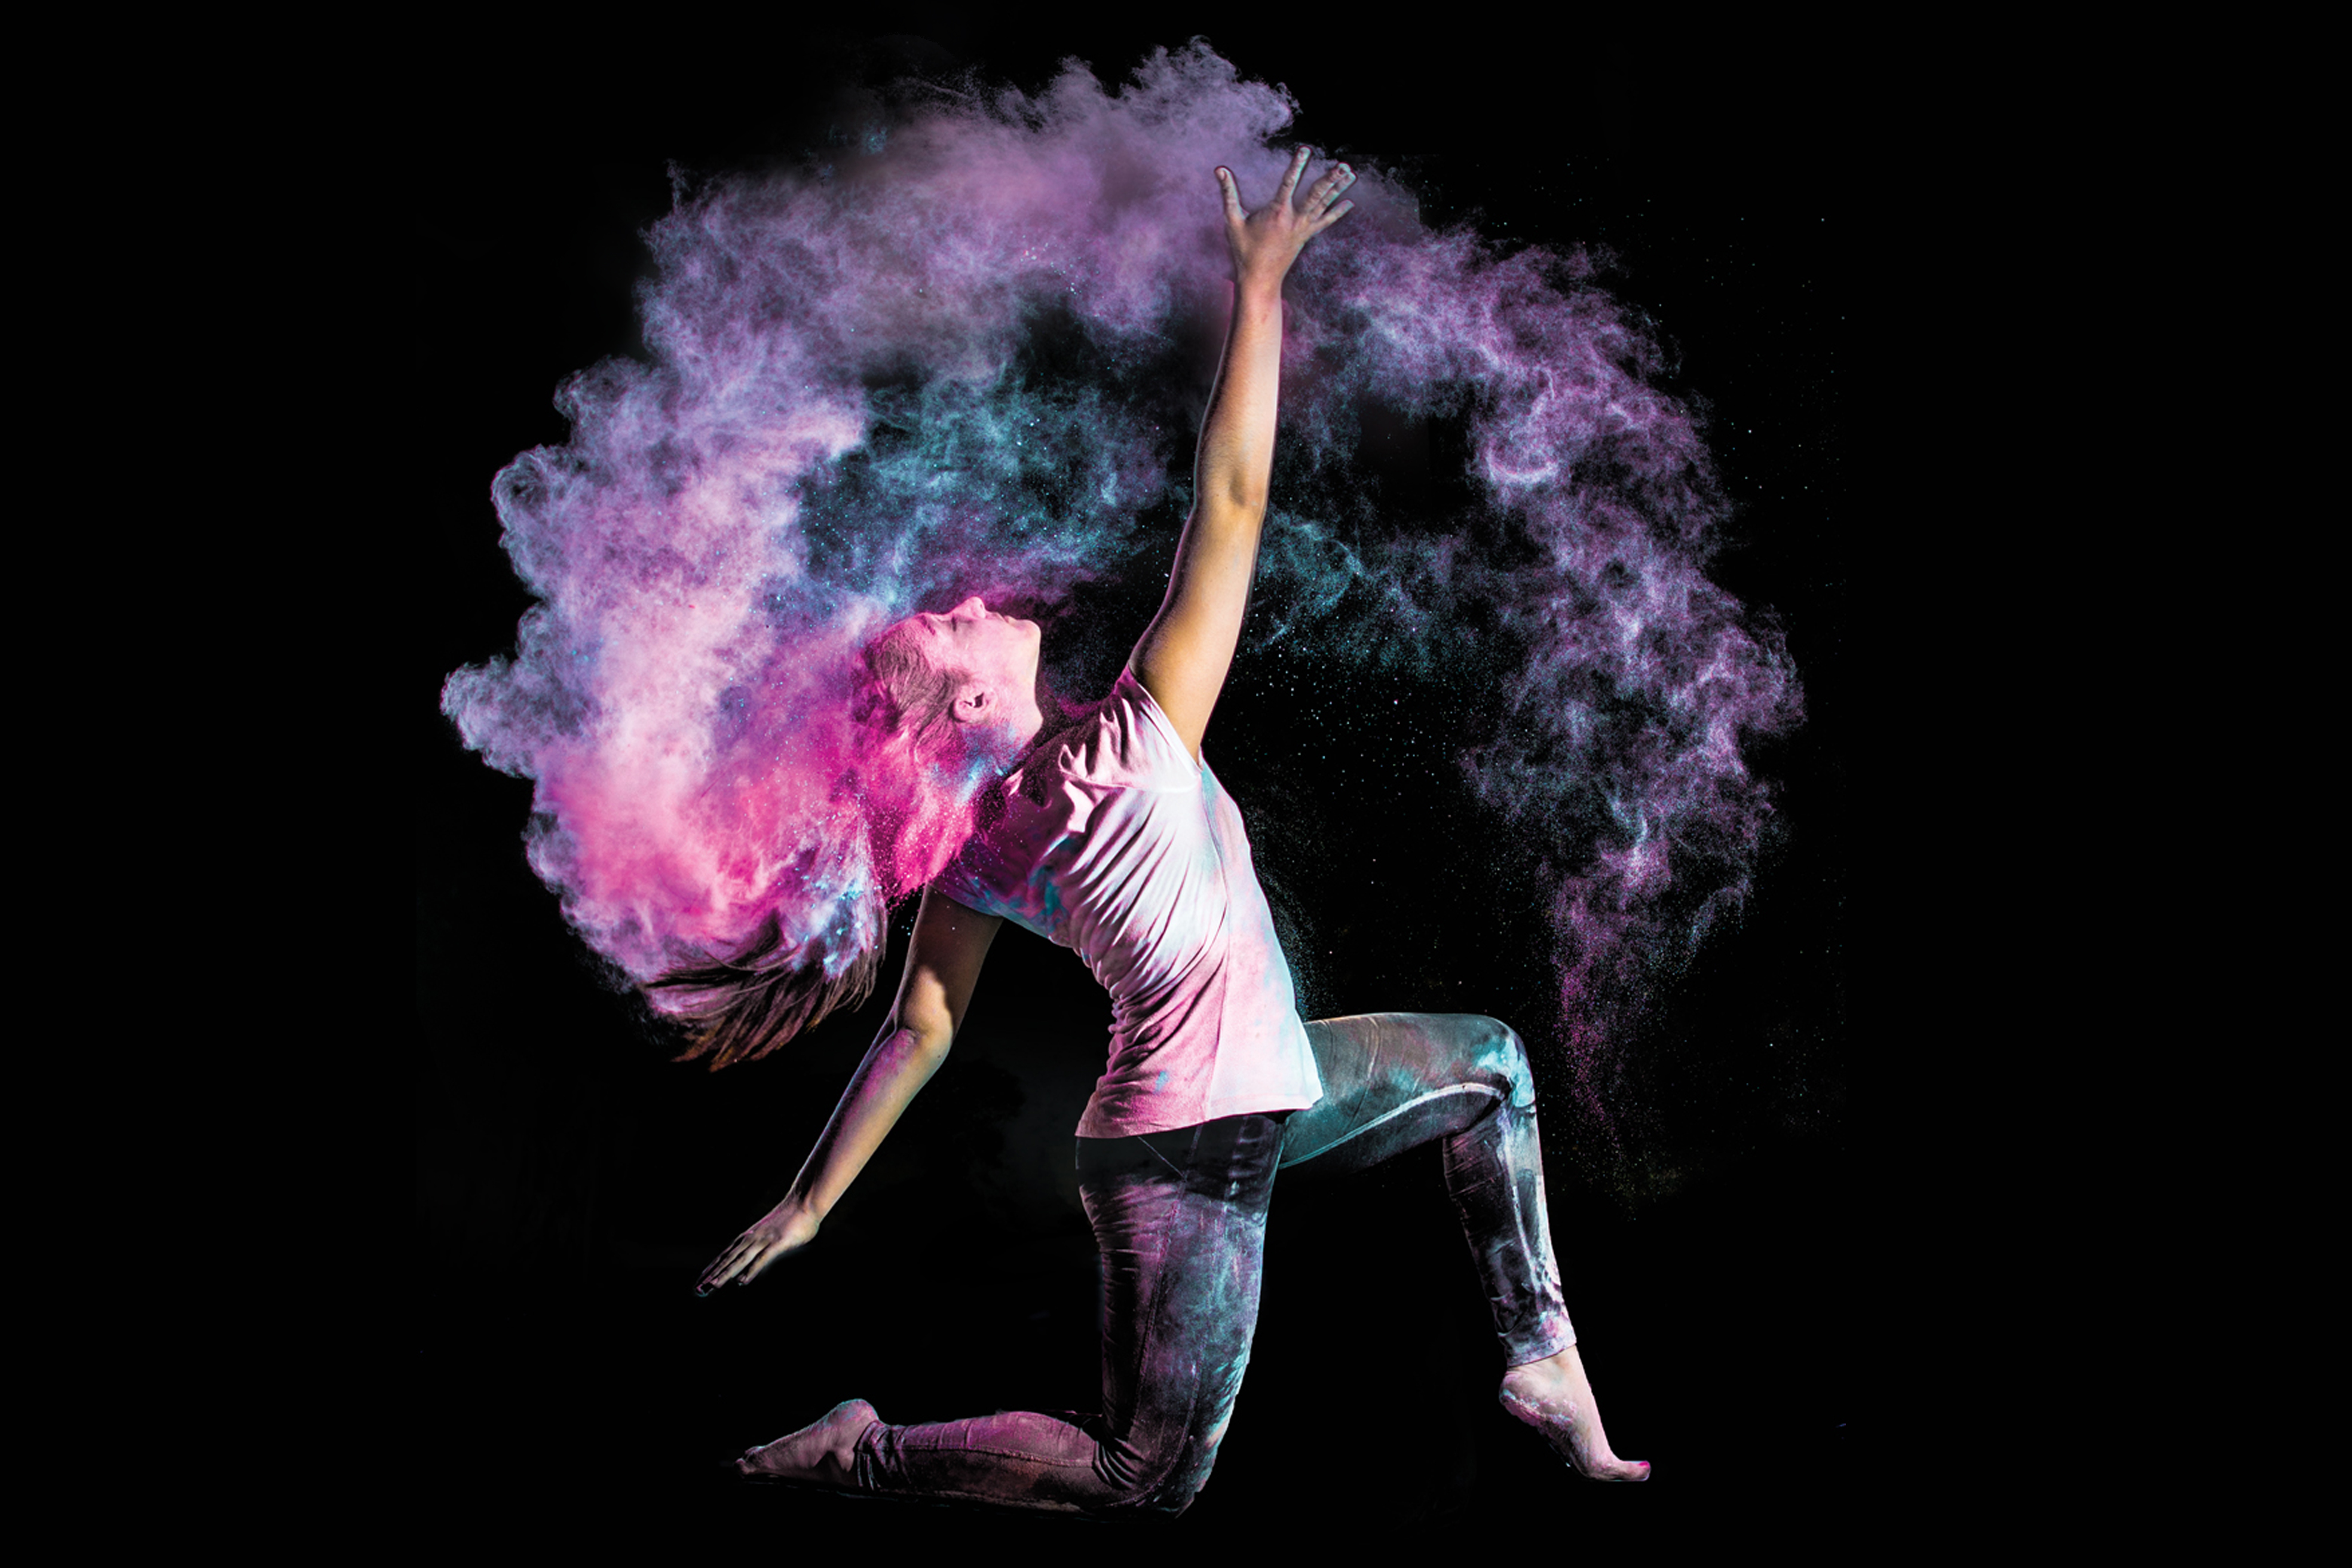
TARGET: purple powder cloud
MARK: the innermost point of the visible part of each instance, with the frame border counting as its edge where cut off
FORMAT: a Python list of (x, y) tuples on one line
[(847, 416)]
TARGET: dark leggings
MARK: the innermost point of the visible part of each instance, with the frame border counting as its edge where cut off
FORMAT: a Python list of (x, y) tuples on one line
[(1180, 1217)]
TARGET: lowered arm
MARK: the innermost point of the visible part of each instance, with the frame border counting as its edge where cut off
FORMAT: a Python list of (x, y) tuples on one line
[(943, 965)]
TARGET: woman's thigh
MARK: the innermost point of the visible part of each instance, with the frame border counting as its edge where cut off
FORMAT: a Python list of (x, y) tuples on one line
[(1393, 1081), (1180, 1219)]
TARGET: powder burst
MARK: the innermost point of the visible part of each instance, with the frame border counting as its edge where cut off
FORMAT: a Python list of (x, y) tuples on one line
[(965, 358)]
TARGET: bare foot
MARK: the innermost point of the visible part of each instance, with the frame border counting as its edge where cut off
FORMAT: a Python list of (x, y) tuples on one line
[(820, 1452), (1554, 1397)]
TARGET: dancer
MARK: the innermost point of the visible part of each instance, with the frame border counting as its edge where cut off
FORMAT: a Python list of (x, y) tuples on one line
[(1113, 837)]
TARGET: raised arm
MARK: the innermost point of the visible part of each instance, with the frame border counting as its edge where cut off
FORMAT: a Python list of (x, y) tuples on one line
[(1188, 647), (942, 965)]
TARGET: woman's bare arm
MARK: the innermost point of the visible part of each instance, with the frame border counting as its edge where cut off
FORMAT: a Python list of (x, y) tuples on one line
[(1188, 647), (942, 965)]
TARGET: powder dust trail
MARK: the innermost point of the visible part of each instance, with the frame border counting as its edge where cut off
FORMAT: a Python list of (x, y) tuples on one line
[(967, 357)]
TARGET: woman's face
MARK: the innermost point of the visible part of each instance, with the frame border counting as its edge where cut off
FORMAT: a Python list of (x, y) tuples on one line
[(974, 638), (999, 652)]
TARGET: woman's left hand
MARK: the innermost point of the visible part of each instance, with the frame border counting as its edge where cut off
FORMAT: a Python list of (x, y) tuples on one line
[(1266, 242), (787, 1228)]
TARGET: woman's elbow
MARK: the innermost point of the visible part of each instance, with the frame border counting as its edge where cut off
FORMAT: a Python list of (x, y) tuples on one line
[(1237, 505), (929, 1034)]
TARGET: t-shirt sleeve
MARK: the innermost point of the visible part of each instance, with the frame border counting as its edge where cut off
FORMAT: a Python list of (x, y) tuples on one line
[(1124, 746), (1131, 746), (962, 883)]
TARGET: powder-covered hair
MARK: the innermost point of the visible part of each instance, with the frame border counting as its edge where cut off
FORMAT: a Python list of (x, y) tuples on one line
[(922, 783), (918, 793)]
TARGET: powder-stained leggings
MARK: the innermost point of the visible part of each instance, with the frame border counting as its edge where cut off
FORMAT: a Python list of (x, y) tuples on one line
[(1180, 1217)]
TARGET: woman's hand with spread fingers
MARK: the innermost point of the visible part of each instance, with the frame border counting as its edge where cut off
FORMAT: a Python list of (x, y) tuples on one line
[(1264, 243), (788, 1227)]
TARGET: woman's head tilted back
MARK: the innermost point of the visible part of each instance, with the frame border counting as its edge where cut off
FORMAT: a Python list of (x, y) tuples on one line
[(954, 698), (949, 702), (969, 674)]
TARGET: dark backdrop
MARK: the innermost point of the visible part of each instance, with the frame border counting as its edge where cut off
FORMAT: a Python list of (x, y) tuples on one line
[(571, 1181)]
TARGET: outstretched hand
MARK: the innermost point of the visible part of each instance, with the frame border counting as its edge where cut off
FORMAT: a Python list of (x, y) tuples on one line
[(1266, 242), (787, 1228)]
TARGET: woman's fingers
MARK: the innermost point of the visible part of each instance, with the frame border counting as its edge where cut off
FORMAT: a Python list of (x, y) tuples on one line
[(716, 1275), (1290, 180), (729, 1262), (1327, 189), (1319, 196), (785, 1230), (1266, 241)]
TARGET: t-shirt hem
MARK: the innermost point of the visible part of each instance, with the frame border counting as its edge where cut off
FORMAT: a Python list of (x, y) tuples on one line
[(1248, 1105)]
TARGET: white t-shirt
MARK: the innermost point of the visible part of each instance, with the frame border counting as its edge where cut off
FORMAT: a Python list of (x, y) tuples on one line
[(1113, 843)]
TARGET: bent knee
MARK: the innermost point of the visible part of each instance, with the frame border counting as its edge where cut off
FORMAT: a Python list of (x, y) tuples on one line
[(1174, 1493), (1143, 1481), (1501, 1057), (1168, 1498), (1169, 1494)]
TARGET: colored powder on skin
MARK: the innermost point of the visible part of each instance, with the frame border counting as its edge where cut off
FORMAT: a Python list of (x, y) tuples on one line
[(969, 357)]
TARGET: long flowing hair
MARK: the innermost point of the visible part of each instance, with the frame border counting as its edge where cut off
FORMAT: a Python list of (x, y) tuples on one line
[(918, 788)]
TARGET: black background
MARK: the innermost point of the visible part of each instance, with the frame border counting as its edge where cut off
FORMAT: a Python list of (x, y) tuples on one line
[(571, 1181)]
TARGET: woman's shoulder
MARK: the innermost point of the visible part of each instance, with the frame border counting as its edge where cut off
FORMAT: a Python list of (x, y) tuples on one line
[(1111, 755), (1125, 741)]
